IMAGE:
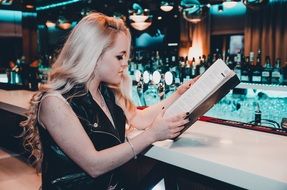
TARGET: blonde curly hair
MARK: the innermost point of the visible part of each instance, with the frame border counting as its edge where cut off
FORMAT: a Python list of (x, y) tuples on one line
[(75, 64)]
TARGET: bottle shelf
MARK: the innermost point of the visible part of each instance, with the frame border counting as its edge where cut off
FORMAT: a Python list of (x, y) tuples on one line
[(274, 87)]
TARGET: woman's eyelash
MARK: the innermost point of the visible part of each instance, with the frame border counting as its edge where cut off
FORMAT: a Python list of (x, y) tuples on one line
[(120, 57)]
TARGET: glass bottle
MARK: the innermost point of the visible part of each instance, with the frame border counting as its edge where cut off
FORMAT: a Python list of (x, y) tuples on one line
[(257, 115), (266, 72), (257, 69), (276, 74), (202, 66), (245, 74), (237, 68), (193, 68)]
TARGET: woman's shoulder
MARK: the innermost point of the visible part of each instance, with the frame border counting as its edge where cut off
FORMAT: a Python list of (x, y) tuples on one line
[(52, 97)]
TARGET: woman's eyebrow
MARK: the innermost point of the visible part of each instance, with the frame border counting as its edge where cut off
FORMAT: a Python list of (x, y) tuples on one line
[(123, 52)]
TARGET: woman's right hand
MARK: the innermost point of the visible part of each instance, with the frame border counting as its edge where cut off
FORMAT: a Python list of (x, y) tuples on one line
[(167, 128)]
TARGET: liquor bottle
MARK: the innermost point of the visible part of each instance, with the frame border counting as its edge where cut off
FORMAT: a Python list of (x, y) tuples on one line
[(161, 88), (166, 65), (202, 66), (187, 69), (173, 60), (257, 115), (284, 73), (193, 68), (258, 58), (197, 65), (266, 72), (245, 70), (217, 55), (15, 76), (158, 62), (132, 66), (276, 74), (181, 68), (257, 69), (228, 60), (214, 58), (209, 61), (239, 57), (251, 58), (237, 69)]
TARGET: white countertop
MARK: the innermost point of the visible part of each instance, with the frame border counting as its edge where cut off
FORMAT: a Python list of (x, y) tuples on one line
[(16, 101), (245, 158), (18, 98)]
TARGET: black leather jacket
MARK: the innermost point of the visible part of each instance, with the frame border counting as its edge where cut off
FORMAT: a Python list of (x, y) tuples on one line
[(59, 171)]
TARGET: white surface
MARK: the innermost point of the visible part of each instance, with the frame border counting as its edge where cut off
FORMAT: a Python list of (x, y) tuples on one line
[(15, 101), (156, 77), (274, 87), (146, 77), (137, 75), (245, 158), (19, 98), (3, 78), (168, 77)]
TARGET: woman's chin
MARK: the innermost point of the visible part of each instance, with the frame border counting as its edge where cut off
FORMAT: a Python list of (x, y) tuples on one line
[(116, 82)]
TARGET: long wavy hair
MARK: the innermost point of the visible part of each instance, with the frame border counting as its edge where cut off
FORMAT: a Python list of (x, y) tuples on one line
[(75, 64)]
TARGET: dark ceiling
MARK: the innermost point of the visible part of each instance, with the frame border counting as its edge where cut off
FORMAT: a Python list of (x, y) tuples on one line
[(74, 9), (150, 4)]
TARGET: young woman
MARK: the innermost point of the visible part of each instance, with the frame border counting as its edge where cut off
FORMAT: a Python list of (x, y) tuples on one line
[(76, 123)]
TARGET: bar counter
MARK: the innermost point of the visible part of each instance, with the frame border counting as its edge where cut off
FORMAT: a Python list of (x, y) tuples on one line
[(245, 158), (15, 101)]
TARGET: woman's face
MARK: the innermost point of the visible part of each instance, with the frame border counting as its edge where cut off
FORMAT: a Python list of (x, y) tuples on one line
[(114, 61)]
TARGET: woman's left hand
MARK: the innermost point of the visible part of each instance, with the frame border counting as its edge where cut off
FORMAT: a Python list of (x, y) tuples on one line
[(185, 86)]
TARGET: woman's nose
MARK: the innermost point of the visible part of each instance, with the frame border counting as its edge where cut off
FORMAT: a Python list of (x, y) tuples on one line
[(124, 64)]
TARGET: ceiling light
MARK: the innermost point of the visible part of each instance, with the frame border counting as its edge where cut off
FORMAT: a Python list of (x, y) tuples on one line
[(194, 15), (189, 3), (165, 6), (54, 5), (140, 25), (191, 10), (50, 24), (6, 2), (138, 18), (63, 23), (29, 6), (229, 3)]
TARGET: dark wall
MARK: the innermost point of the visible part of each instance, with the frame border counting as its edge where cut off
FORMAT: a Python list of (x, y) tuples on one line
[(9, 130), (10, 49), (230, 21)]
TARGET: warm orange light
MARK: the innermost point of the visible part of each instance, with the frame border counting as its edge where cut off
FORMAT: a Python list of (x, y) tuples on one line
[(166, 8), (229, 3), (140, 25), (29, 6), (50, 24), (138, 18), (65, 25), (195, 51)]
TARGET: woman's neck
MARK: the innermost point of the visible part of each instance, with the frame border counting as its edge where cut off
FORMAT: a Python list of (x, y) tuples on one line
[(93, 86)]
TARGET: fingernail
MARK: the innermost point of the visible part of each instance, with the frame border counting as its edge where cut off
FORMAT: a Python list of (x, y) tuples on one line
[(162, 108), (187, 113)]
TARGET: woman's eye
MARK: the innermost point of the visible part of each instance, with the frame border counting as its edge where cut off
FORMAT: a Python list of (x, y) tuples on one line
[(120, 57)]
